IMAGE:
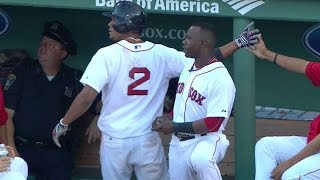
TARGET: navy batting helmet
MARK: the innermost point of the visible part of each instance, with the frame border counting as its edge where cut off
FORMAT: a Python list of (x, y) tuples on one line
[(129, 17)]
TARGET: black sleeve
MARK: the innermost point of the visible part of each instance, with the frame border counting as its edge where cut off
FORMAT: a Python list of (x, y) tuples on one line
[(218, 54), (13, 88)]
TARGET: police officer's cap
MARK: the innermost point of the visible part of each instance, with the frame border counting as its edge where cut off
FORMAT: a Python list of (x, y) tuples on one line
[(58, 32)]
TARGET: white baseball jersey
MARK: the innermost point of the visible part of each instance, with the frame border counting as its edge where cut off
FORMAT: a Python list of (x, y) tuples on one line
[(201, 93), (133, 79), (205, 92)]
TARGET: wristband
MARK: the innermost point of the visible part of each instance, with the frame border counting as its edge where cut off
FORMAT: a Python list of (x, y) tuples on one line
[(275, 58), (61, 123), (183, 127)]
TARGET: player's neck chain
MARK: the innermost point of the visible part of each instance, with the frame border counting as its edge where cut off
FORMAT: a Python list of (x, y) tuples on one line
[(194, 67), (134, 39)]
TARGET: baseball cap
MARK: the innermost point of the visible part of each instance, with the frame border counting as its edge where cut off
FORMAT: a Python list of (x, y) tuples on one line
[(58, 32)]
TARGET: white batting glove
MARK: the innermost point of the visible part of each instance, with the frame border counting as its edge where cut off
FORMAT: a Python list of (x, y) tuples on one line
[(59, 130), (248, 37)]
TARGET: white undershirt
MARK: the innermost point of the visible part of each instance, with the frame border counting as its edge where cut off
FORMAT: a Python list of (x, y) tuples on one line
[(50, 77)]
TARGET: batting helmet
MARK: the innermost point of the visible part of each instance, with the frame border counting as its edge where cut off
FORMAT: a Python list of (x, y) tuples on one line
[(129, 17)]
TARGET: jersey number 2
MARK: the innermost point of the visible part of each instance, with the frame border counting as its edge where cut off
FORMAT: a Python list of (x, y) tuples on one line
[(144, 78)]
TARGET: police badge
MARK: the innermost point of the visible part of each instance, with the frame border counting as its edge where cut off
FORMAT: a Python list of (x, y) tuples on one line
[(68, 91)]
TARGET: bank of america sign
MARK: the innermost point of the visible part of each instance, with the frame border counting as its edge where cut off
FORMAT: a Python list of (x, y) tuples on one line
[(243, 6)]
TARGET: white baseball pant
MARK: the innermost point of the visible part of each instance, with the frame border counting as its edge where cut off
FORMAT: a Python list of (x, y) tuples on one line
[(143, 154), (197, 158), (271, 151), (18, 170)]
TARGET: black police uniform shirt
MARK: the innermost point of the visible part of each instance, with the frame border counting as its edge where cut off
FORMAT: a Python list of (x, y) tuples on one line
[(39, 104)]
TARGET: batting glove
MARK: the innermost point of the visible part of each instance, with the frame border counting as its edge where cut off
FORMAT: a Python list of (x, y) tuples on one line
[(59, 130), (248, 37)]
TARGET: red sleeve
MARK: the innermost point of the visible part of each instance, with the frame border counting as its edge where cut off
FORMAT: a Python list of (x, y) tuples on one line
[(314, 129), (313, 73), (213, 123), (3, 113)]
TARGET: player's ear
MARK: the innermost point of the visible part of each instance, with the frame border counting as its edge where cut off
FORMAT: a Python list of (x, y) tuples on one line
[(205, 43)]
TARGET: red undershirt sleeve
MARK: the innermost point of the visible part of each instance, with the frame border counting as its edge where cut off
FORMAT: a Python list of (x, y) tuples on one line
[(213, 123), (313, 73), (3, 113)]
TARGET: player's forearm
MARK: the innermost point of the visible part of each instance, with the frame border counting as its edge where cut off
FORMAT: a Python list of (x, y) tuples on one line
[(199, 127), (80, 105), (3, 134), (190, 127), (229, 49), (10, 128), (290, 63), (312, 148), (77, 109), (10, 133), (208, 124)]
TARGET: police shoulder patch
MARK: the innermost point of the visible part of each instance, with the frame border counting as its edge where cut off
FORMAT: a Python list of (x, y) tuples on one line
[(11, 78)]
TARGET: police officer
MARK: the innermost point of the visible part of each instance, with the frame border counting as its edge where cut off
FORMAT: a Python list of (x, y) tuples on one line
[(37, 94)]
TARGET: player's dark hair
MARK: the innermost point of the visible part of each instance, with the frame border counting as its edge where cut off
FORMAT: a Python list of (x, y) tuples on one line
[(205, 26)]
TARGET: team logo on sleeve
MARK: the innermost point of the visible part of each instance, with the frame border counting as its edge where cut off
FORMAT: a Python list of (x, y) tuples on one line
[(11, 78)]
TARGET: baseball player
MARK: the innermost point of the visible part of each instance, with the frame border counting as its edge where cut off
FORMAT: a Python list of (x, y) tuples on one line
[(204, 101), (289, 157), (133, 76)]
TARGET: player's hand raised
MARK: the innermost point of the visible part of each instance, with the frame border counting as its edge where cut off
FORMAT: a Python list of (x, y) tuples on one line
[(59, 130), (260, 50), (248, 37)]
